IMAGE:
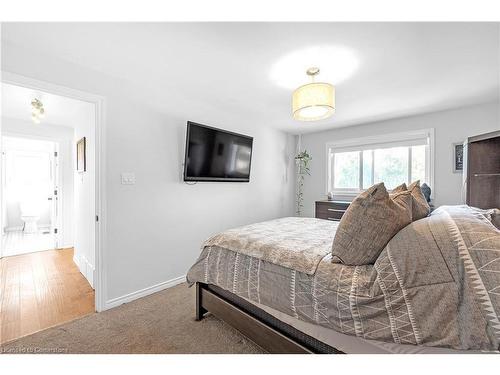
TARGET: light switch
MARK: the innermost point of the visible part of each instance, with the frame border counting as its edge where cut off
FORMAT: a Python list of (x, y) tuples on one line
[(128, 178)]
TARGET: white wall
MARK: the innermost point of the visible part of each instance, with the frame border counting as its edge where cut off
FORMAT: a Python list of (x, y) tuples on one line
[(84, 200), (155, 228), (450, 127), (64, 136)]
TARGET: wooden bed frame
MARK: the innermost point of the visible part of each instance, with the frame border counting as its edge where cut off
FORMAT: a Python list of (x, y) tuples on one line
[(262, 328)]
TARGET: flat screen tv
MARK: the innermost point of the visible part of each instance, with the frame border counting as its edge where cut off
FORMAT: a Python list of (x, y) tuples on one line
[(216, 155)]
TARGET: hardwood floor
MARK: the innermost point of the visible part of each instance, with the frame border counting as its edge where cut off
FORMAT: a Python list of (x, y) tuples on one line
[(40, 290)]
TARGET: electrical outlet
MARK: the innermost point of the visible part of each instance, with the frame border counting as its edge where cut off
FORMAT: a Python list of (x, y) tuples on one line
[(128, 178)]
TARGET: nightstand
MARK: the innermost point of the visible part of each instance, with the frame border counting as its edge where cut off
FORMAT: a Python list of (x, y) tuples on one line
[(331, 210)]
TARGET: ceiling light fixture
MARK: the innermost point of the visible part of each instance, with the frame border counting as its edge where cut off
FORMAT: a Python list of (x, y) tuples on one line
[(37, 110), (313, 101), (338, 64)]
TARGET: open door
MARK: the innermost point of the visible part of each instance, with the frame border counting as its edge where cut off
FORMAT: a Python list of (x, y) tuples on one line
[(54, 201), (30, 192)]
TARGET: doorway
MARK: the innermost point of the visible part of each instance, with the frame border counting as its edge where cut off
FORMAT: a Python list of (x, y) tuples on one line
[(49, 252), (30, 183)]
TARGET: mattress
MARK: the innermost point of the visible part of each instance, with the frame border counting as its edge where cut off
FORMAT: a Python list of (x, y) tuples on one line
[(334, 340), (355, 345)]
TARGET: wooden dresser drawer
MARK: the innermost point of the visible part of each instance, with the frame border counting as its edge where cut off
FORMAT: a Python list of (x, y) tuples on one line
[(331, 210)]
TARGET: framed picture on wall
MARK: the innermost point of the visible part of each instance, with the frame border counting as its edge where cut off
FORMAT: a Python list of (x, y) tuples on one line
[(458, 157), (81, 155)]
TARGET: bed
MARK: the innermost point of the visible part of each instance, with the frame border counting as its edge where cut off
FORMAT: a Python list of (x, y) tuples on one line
[(434, 288)]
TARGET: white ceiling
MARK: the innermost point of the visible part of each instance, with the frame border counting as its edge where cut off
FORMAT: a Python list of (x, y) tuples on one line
[(383, 70), (59, 110)]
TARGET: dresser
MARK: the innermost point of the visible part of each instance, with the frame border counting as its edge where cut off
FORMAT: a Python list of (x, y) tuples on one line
[(482, 170), (331, 210)]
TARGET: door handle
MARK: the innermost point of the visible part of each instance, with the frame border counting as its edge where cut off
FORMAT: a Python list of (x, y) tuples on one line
[(49, 198)]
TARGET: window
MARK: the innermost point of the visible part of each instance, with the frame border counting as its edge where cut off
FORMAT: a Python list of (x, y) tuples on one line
[(355, 165), (346, 170)]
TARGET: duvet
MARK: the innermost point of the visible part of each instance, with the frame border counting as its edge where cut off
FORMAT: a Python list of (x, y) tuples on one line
[(436, 283)]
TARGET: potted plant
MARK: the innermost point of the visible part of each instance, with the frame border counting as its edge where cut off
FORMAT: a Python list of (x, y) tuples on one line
[(302, 160)]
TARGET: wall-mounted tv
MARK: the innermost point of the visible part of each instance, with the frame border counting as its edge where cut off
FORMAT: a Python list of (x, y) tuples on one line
[(216, 155)]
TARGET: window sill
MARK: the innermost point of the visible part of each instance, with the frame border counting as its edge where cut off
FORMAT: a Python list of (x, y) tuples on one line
[(349, 196), (345, 196)]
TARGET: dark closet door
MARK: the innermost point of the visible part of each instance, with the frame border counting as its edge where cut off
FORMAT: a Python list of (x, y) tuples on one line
[(483, 172)]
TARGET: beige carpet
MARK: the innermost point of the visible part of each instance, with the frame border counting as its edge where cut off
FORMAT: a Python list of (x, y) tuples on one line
[(160, 323)]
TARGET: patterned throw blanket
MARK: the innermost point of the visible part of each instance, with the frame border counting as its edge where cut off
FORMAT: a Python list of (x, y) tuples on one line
[(437, 283), (292, 242)]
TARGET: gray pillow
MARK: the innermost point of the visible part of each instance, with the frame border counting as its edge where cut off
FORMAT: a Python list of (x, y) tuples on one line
[(492, 214), (371, 220), (495, 217), (426, 191)]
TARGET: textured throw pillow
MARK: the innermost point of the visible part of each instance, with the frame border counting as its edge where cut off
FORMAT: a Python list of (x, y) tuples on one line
[(371, 220), (420, 207), (399, 189)]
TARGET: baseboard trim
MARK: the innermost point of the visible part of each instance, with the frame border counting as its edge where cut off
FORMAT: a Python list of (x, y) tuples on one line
[(76, 261), (20, 228), (86, 269), (143, 292)]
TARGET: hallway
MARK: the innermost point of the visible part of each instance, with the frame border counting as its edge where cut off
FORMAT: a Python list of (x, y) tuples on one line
[(40, 290)]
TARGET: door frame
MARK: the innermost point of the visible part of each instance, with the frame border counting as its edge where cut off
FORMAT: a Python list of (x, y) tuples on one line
[(100, 191)]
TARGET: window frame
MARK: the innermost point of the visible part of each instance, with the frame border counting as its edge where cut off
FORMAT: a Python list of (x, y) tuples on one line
[(373, 142)]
